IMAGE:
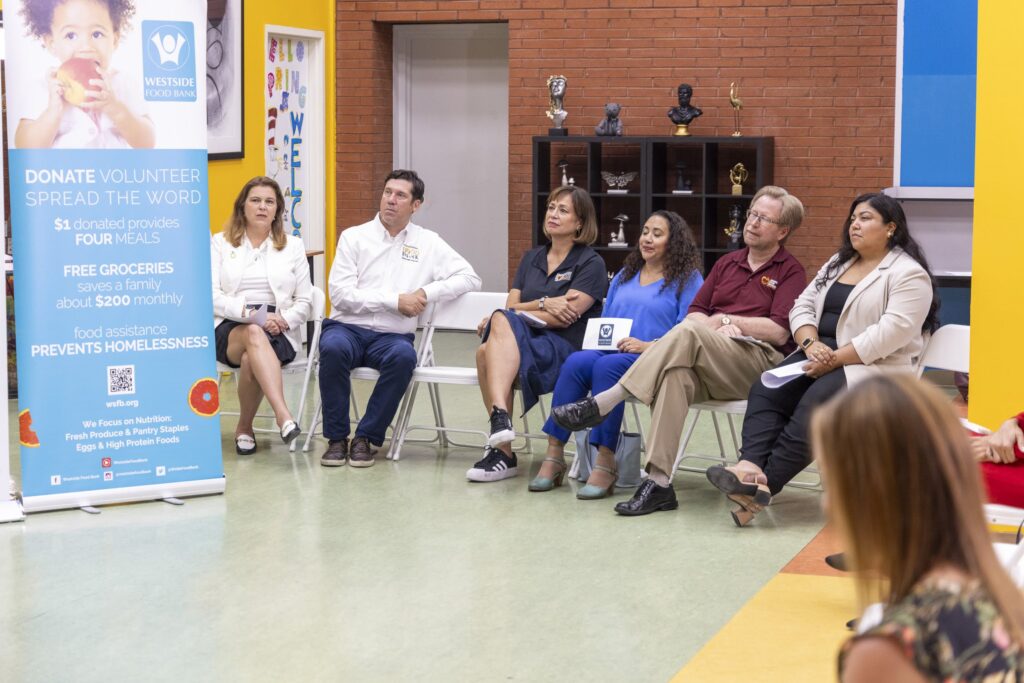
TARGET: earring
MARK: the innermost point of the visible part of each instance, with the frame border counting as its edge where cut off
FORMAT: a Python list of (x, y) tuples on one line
[(579, 230), (889, 234)]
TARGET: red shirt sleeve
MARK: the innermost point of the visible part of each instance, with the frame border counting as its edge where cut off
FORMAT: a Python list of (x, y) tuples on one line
[(791, 284), (702, 301)]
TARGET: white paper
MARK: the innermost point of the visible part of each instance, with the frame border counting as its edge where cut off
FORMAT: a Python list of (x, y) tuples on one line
[(604, 334), (258, 315), (776, 377)]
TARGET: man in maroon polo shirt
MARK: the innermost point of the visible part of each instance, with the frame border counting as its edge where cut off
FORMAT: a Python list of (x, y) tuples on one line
[(737, 327)]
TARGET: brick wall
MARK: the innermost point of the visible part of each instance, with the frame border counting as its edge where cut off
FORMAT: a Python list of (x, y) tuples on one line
[(818, 75)]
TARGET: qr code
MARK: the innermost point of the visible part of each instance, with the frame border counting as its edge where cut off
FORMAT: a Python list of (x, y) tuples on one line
[(120, 379)]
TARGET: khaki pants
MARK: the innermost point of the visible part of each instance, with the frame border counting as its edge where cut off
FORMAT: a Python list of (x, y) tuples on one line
[(690, 364)]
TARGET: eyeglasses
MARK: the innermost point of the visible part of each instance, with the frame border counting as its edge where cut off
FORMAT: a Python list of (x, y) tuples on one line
[(755, 217)]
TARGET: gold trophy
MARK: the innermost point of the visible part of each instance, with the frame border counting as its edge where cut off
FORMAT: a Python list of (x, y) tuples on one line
[(737, 104), (738, 175)]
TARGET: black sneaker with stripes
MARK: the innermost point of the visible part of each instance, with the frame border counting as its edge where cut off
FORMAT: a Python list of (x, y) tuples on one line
[(494, 466), (501, 428)]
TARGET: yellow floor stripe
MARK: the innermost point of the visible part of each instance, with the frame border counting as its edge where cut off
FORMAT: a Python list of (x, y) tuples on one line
[(790, 631)]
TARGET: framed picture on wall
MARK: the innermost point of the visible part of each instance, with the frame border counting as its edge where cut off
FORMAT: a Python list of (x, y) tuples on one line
[(225, 112)]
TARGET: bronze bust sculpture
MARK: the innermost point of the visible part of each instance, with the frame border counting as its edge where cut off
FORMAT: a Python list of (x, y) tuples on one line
[(685, 112)]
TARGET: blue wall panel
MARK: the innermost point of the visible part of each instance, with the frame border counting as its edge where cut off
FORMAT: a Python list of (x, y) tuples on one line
[(940, 47)]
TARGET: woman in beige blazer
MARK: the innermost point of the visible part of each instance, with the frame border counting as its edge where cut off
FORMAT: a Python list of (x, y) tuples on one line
[(867, 311), (255, 262)]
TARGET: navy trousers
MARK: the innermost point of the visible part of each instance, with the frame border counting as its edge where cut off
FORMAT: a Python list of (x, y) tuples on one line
[(585, 372), (344, 347)]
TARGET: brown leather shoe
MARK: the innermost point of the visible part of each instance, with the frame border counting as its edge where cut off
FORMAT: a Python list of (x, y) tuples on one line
[(360, 454), (336, 454)]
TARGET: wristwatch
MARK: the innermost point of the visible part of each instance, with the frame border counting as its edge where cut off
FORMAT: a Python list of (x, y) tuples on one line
[(807, 342), (726, 320), (540, 303)]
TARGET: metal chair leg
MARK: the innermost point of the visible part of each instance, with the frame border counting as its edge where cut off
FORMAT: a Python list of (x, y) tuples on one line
[(435, 403), (312, 426), (639, 428)]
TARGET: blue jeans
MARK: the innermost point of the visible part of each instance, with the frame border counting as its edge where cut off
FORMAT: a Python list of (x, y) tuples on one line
[(591, 372), (344, 347)]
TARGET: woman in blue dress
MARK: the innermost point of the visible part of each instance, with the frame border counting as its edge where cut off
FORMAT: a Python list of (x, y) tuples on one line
[(557, 288), (654, 289)]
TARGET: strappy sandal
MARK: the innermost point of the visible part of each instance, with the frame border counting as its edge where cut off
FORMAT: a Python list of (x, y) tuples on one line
[(592, 492), (735, 481), (745, 509), (540, 483)]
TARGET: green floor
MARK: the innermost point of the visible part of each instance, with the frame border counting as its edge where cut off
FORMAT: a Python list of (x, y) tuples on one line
[(404, 571)]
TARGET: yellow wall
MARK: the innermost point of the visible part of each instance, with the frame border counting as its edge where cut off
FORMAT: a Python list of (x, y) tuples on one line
[(227, 176), (997, 327)]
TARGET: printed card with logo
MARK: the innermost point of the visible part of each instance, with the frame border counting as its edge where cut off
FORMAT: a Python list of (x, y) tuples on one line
[(604, 334)]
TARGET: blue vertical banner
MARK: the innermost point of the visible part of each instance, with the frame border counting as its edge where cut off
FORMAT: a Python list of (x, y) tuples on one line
[(108, 165)]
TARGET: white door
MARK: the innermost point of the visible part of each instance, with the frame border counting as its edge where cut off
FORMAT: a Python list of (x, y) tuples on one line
[(451, 127)]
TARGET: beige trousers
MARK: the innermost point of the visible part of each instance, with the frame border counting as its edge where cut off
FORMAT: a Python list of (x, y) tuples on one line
[(690, 364)]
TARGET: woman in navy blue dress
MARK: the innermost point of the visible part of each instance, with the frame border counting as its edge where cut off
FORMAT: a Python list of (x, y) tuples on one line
[(654, 289), (558, 287)]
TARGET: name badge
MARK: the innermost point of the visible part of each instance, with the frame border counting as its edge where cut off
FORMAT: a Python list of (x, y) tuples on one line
[(563, 277), (411, 254), (769, 283)]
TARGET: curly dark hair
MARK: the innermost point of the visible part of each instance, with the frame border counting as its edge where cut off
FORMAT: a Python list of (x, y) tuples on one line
[(891, 212), (38, 15), (682, 257)]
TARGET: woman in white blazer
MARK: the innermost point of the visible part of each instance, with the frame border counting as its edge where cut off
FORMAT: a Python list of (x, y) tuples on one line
[(868, 310), (255, 262)]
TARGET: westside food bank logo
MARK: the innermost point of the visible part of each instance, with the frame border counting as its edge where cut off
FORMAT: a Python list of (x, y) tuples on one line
[(169, 61)]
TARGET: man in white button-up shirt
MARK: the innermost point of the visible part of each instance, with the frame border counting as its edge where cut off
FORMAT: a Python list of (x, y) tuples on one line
[(385, 273)]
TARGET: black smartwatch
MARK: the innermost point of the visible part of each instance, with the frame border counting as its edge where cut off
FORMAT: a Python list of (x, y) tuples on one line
[(807, 342)]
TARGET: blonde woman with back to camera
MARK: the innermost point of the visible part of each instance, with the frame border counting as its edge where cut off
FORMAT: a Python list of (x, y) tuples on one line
[(904, 493), (255, 262)]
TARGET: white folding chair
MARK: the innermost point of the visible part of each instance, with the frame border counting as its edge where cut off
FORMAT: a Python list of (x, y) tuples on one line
[(461, 314), (714, 409), (730, 409), (368, 374), (949, 348), (304, 362)]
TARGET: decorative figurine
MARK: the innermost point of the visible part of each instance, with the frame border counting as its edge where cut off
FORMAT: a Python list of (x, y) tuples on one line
[(610, 124), (556, 88), (735, 229), (563, 164), (683, 186), (738, 175), (684, 113), (617, 182), (572, 182), (619, 240), (737, 104)]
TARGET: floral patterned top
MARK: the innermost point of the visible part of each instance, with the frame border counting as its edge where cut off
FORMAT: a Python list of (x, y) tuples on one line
[(950, 632)]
